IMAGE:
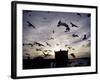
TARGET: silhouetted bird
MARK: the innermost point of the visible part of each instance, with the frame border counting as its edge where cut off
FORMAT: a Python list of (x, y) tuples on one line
[(66, 45), (38, 49), (88, 15), (75, 35), (51, 38), (73, 55), (30, 44), (27, 54), (46, 54), (48, 44), (73, 25), (79, 14), (36, 43), (85, 37), (31, 25), (69, 47), (47, 50), (63, 24)]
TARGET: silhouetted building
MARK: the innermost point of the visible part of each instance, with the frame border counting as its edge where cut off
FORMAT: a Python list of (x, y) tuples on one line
[(61, 58)]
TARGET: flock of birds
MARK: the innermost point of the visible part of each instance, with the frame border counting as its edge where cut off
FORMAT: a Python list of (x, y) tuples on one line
[(59, 24)]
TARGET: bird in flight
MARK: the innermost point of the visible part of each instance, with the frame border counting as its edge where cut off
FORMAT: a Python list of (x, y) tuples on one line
[(39, 44), (30, 44), (51, 38), (38, 49), (75, 35), (79, 14), (88, 15), (85, 37), (73, 25), (46, 54), (69, 47), (63, 24), (48, 44), (73, 55), (31, 25)]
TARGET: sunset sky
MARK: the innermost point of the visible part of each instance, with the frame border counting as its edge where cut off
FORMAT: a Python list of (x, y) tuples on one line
[(46, 31)]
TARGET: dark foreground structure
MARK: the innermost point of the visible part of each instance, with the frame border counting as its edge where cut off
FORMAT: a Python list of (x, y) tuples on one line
[(61, 60)]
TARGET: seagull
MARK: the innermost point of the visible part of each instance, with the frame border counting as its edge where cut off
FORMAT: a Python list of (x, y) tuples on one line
[(73, 25), (38, 49), (88, 15), (51, 38), (36, 43), (69, 47), (48, 44), (85, 37), (73, 55), (75, 35), (28, 44), (79, 14), (31, 25), (63, 24), (45, 55)]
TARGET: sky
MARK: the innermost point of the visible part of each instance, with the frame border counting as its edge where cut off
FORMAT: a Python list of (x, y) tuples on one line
[(46, 31)]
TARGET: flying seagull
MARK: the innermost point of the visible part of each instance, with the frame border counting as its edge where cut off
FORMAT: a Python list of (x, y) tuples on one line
[(73, 25), (63, 24), (69, 47), (75, 35), (39, 44), (48, 44), (31, 25), (85, 37), (51, 38), (46, 54), (73, 55), (38, 49), (30, 44), (88, 15), (79, 14)]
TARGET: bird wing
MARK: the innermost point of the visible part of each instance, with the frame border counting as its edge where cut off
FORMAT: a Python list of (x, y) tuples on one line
[(30, 24)]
